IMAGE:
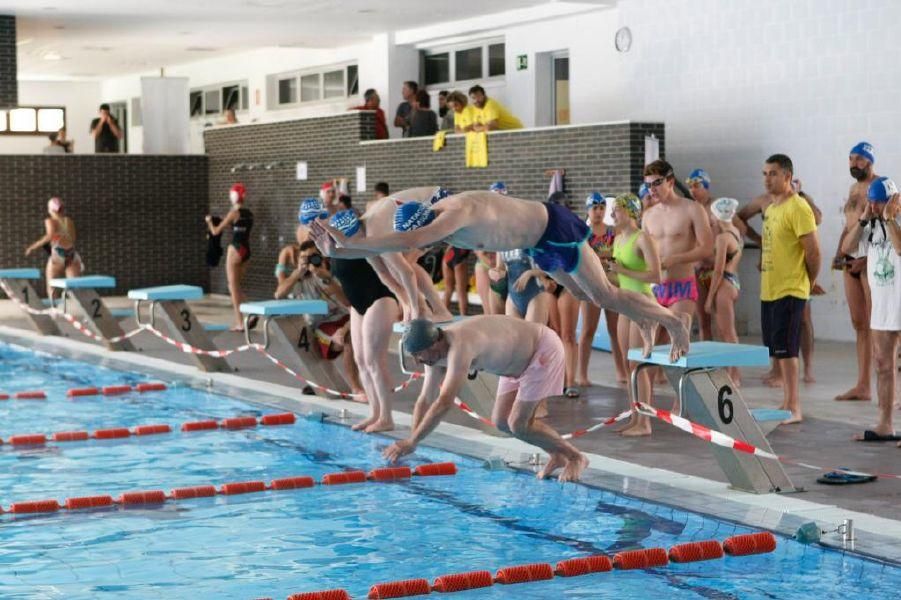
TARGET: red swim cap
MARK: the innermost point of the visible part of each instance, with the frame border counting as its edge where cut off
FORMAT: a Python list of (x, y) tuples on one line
[(326, 186), (240, 189)]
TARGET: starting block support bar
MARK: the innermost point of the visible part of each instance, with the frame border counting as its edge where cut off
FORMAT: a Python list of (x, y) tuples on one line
[(84, 291), (708, 397), (19, 282)]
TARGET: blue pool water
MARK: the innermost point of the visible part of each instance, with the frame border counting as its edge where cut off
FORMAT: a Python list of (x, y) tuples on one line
[(277, 543)]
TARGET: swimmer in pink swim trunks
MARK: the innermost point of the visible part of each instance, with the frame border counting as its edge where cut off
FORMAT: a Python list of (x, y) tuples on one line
[(527, 356)]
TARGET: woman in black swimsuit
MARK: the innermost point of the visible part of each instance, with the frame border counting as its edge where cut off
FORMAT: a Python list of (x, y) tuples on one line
[(240, 219), (725, 285)]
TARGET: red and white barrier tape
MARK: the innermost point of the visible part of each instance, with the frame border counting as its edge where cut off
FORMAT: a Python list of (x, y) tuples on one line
[(189, 349), (575, 434), (22, 305)]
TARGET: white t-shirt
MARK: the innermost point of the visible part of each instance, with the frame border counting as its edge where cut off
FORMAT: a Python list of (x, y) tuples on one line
[(884, 277)]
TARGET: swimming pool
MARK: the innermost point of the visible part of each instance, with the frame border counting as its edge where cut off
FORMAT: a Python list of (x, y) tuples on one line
[(277, 543)]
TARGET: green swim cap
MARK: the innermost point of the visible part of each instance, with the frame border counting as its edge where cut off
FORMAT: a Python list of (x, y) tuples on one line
[(420, 335)]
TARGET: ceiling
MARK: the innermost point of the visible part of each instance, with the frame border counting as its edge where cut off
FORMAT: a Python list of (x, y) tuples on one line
[(102, 38)]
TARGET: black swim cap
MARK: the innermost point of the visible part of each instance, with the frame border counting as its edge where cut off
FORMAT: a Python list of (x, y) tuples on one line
[(420, 335)]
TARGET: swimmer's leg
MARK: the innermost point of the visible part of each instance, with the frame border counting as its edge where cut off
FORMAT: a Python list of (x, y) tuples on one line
[(525, 427), (356, 336), (378, 323)]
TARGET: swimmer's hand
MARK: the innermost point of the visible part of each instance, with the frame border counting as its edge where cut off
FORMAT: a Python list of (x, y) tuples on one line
[(322, 239), (892, 208), (398, 449), (341, 240), (817, 290), (522, 281)]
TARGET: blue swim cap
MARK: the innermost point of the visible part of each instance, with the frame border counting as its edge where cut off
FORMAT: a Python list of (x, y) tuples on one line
[(346, 221), (421, 334), (440, 193), (412, 215), (881, 190), (643, 191), (699, 176), (595, 198), (310, 210), (865, 149), (498, 187)]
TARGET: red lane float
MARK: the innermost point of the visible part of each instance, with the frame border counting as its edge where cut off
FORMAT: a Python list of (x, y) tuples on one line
[(292, 483), (88, 502), (400, 589), (152, 429), (88, 391), (278, 419), (199, 425), (573, 567), (37, 395), (34, 506), (114, 390), (112, 434), (436, 469), (457, 582), (200, 491), (750, 543), (344, 477), (150, 387), (641, 559), (70, 436), (524, 573), (28, 439), (142, 497), (695, 551), (242, 487), (4, 396), (390, 473), (323, 595), (238, 422)]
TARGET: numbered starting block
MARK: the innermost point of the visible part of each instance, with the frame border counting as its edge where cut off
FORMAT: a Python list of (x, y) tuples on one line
[(19, 284), (181, 322), (708, 396), (83, 291), (284, 322)]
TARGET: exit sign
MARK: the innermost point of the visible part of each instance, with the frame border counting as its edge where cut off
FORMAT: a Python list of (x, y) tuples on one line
[(522, 62)]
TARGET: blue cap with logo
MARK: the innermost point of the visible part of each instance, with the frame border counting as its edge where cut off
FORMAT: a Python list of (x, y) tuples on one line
[(310, 210), (498, 187), (881, 190), (866, 150), (440, 193), (643, 191), (594, 199), (699, 176), (412, 215), (346, 221)]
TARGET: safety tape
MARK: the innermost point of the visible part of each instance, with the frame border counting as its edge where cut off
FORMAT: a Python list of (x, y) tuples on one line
[(575, 434)]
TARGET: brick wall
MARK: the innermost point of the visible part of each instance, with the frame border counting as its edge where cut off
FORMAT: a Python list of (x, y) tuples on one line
[(9, 95), (139, 218), (605, 157)]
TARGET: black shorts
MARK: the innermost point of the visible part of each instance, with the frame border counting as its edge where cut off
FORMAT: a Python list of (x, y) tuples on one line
[(780, 323)]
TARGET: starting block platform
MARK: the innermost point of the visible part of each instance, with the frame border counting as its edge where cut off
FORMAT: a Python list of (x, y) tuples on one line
[(284, 322), (181, 322), (707, 396), (20, 285), (83, 291)]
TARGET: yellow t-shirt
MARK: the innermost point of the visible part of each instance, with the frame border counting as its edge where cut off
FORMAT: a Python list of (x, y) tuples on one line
[(463, 119), (782, 271), (494, 110)]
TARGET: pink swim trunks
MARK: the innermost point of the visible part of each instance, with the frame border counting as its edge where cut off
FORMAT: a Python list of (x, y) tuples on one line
[(544, 374), (676, 290)]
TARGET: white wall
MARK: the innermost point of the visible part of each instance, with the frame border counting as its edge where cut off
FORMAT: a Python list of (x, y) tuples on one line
[(81, 100)]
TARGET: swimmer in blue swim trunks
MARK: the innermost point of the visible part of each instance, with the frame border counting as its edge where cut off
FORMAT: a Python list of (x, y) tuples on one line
[(554, 236)]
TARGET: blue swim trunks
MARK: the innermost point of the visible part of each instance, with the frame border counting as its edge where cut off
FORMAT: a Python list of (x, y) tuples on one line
[(559, 246)]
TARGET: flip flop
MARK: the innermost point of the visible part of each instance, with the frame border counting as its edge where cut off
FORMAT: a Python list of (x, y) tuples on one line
[(844, 478), (871, 436), (572, 392)]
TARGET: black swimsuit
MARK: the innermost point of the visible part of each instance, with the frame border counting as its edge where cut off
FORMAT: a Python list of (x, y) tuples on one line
[(360, 282), (241, 233)]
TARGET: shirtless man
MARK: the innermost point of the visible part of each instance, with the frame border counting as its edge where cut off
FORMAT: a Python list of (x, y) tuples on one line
[(527, 356), (854, 267), (552, 234)]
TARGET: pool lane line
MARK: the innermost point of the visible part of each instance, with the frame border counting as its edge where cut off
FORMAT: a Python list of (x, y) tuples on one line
[(107, 390), (153, 497)]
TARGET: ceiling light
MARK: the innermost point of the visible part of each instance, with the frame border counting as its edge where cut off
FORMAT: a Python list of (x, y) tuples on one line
[(52, 55)]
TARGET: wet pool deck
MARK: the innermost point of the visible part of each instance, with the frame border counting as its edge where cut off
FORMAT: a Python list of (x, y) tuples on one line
[(670, 467)]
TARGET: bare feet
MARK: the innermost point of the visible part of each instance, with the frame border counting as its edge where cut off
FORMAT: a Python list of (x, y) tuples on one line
[(855, 393), (555, 461), (808, 378), (442, 314), (587, 383), (380, 425), (681, 337), (238, 328), (648, 331), (366, 423), (775, 382), (638, 430), (573, 469), (359, 396), (795, 418)]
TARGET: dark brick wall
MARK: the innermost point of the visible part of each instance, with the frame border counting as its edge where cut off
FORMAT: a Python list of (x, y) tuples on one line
[(9, 87), (608, 158), (138, 218)]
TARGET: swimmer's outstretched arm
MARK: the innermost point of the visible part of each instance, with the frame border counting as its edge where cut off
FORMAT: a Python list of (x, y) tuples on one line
[(50, 230), (431, 387), (443, 226)]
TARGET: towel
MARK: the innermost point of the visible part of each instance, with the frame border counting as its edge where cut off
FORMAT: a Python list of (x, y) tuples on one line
[(439, 140), (476, 149)]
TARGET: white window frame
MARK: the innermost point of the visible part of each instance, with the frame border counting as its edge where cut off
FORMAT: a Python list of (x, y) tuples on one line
[(451, 51), (319, 72), (243, 91)]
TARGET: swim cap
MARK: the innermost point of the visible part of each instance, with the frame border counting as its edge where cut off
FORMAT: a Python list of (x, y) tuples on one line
[(498, 187), (724, 209), (54, 205), (236, 193), (412, 215), (440, 193), (643, 191), (346, 221), (629, 203), (881, 190), (310, 210), (864, 149), (699, 176), (326, 186), (420, 335), (595, 198)]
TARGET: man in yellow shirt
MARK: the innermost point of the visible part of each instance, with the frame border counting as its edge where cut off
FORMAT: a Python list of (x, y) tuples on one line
[(789, 265), (489, 114), (462, 111)]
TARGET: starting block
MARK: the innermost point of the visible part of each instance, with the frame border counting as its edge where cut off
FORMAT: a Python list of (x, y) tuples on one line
[(19, 282), (83, 291), (706, 393), (284, 320), (181, 322)]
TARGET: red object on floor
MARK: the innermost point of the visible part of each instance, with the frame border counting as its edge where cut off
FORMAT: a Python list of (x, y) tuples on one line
[(457, 582), (641, 559), (525, 573), (30, 396), (152, 429), (750, 543), (88, 391), (695, 551), (400, 589), (112, 390), (70, 436), (436, 469), (279, 419), (112, 434), (238, 422), (199, 426), (34, 506), (598, 563), (323, 595), (390, 473), (150, 387), (143, 497), (88, 502), (242, 487), (292, 483), (28, 438), (344, 477), (200, 491)]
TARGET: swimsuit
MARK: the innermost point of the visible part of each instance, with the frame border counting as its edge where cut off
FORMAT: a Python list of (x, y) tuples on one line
[(602, 244), (517, 264), (543, 376), (281, 269), (559, 246), (627, 257), (324, 326), (65, 256), (733, 277), (455, 256), (360, 283), (241, 233), (671, 291)]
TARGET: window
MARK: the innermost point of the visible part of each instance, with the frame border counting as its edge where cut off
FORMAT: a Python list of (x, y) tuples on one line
[(2, 120), (496, 62), (32, 120), (437, 68), (216, 99), (211, 102), (287, 90), (230, 97), (309, 88), (137, 119), (468, 64), (245, 97), (471, 62), (333, 84), (353, 81), (196, 102)]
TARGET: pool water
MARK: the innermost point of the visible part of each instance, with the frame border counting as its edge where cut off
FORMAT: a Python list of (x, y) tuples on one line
[(277, 543)]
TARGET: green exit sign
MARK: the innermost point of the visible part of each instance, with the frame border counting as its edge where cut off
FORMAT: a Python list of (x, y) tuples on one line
[(522, 62)]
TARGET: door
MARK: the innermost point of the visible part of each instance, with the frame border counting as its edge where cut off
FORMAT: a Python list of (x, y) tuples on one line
[(560, 89), (119, 111)]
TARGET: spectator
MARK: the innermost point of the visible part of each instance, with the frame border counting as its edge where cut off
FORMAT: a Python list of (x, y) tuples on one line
[(405, 108), (423, 120), (445, 113), (106, 132), (381, 190), (371, 101), (344, 202), (489, 114), (459, 104), (59, 144), (230, 118)]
